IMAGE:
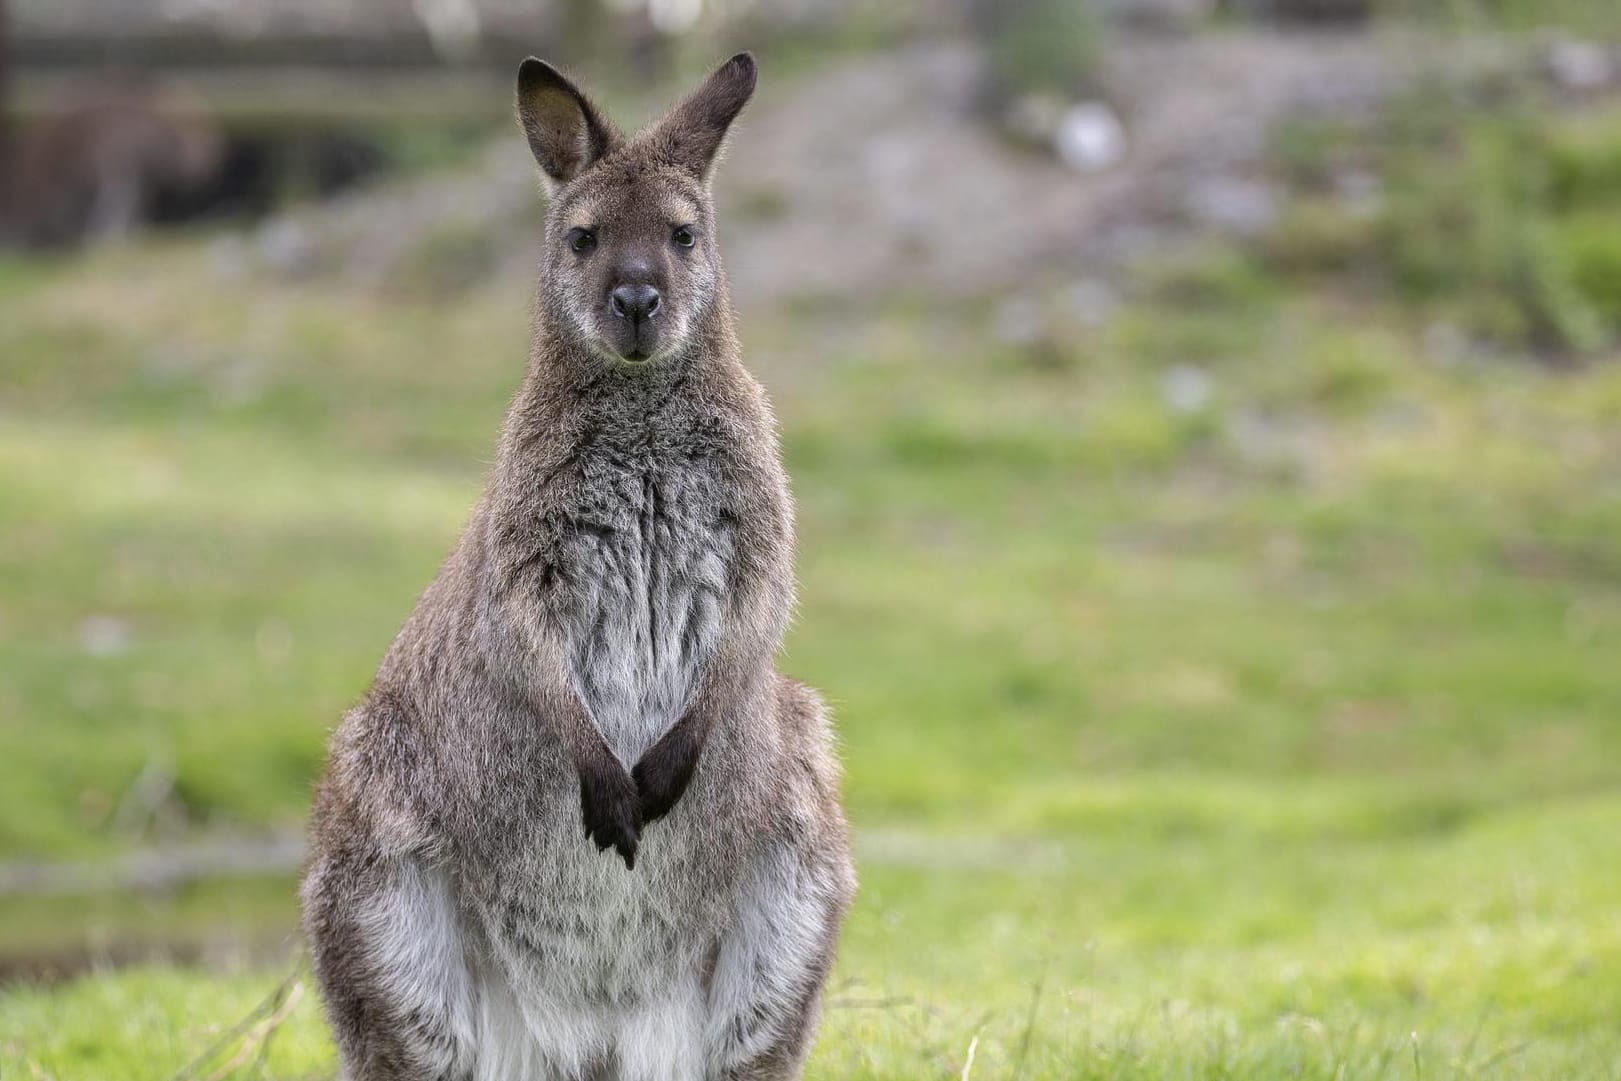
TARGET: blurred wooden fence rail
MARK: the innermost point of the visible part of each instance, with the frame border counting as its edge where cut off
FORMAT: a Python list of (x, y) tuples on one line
[(282, 60), (118, 112), (169, 34)]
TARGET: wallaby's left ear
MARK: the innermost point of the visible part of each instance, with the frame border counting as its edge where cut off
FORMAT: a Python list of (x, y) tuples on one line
[(691, 134), (566, 130)]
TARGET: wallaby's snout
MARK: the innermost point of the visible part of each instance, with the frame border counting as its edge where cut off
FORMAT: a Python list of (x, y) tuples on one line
[(626, 296), (635, 306), (635, 301)]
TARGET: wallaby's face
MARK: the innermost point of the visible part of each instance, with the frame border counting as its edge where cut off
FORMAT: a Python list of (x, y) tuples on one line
[(630, 265), (630, 260)]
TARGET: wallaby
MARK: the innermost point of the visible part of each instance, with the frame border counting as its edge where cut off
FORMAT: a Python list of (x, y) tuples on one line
[(593, 669)]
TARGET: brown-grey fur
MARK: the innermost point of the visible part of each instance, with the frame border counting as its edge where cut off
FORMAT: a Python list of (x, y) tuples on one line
[(593, 669)]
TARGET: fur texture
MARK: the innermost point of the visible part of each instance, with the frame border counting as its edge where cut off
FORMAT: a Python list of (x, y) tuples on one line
[(591, 670)]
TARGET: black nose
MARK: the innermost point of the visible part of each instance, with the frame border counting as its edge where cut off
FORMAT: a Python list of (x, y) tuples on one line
[(634, 302)]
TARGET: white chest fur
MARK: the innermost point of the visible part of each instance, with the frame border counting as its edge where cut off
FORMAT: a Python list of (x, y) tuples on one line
[(650, 586)]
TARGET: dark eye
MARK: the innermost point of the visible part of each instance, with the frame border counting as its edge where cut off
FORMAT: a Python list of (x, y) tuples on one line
[(684, 236), (581, 241)]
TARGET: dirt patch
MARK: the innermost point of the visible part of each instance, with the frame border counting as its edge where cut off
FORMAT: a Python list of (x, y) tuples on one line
[(879, 173), (890, 178)]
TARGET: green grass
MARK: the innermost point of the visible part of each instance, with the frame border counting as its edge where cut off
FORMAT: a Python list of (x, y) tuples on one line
[(1493, 213), (1166, 944), (1275, 737)]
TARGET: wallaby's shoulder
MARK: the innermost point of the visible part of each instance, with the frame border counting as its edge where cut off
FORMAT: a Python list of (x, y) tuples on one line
[(378, 758), (397, 745)]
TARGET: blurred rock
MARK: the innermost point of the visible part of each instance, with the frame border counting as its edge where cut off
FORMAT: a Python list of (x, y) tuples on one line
[(1234, 205), (1581, 67), (1090, 137), (104, 636), (1185, 388), (452, 25)]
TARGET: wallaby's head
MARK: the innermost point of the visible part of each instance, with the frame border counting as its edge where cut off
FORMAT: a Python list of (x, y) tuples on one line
[(630, 267)]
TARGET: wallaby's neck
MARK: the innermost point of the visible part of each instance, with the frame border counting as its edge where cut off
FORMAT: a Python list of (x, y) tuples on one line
[(571, 391)]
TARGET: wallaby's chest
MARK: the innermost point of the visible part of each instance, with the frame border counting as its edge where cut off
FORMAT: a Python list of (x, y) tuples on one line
[(647, 560)]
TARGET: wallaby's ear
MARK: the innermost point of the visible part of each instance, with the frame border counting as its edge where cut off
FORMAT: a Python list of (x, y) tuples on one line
[(691, 134), (566, 131)]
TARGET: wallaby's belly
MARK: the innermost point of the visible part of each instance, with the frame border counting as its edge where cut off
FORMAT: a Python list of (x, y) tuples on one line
[(605, 963), (650, 584), (586, 962)]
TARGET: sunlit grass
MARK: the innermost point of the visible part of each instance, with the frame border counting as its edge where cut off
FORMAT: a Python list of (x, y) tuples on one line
[(1273, 735), (1488, 948)]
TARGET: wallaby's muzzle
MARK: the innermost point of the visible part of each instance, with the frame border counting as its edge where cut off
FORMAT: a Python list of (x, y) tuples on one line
[(635, 306)]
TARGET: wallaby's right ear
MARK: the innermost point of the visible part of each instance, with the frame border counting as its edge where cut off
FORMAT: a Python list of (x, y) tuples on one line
[(690, 135), (566, 131)]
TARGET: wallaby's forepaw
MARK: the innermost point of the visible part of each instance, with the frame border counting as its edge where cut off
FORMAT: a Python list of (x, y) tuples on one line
[(666, 769), (612, 811)]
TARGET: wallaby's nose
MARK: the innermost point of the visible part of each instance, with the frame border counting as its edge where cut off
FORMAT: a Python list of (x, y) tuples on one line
[(634, 302)]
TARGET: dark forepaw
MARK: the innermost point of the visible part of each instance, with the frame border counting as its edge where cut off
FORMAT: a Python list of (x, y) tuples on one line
[(611, 810), (666, 769)]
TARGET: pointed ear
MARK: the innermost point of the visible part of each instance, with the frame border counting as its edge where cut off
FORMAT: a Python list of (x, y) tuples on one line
[(566, 131), (691, 134)]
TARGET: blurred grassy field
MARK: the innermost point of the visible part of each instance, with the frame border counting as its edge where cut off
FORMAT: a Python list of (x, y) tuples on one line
[(1228, 691)]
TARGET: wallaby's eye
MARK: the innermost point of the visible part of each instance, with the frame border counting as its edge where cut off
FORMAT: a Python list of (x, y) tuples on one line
[(684, 236), (582, 241)]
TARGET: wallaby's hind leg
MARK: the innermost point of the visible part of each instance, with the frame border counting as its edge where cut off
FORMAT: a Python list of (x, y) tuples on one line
[(388, 955), (765, 993)]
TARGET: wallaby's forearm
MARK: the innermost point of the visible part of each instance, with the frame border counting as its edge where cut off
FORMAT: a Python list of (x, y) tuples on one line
[(742, 658), (664, 772), (609, 804), (535, 661)]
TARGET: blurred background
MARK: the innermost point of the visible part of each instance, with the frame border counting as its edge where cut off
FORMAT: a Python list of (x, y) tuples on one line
[(1205, 418)]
